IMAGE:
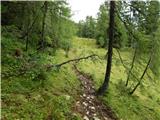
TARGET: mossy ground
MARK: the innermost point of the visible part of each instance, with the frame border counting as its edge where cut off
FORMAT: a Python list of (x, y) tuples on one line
[(32, 98), (24, 97)]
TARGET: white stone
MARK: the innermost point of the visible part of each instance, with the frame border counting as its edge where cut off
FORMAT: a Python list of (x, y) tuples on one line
[(78, 103), (84, 95), (90, 101), (85, 118), (106, 118), (96, 118), (93, 108), (94, 114), (88, 97), (85, 104), (87, 112), (92, 96)]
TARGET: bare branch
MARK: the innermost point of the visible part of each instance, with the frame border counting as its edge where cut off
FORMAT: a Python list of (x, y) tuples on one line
[(73, 60)]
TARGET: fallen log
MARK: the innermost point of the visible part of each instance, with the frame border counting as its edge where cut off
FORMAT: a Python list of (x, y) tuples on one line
[(72, 60)]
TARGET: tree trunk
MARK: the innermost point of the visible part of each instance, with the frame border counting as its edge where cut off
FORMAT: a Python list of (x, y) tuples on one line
[(132, 65), (144, 72), (105, 84), (27, 40), (43, 24), (27, 27)]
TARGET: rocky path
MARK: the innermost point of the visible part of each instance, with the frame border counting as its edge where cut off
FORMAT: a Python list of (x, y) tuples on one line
[(88, 105)]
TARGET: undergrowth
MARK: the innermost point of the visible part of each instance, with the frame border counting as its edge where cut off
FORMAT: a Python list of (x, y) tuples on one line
[(31, 92)]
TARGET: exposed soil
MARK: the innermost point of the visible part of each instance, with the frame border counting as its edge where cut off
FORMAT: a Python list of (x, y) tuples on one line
[(88, 105)]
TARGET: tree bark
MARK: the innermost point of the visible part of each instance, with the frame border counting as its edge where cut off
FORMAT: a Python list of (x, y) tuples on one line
[(27, 41), (144, 72), (43, 23), (72, 60), (125, 65), (132, 65), (105, 84)]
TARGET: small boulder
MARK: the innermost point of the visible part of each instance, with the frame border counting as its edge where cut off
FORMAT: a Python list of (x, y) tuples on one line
[(85, 104), (96, 118), (85, 118)]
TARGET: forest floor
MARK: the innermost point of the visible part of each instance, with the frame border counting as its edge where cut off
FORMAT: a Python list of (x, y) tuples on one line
[(66, 93), (88, 105)]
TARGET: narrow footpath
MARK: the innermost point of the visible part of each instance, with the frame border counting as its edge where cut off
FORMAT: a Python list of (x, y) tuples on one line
[(88, 105)]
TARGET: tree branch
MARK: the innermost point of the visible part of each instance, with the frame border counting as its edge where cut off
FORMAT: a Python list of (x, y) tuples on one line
[(72, 60)]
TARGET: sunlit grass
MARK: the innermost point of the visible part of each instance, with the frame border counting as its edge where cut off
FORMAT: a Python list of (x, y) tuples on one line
[(143, 105), (24, 98)]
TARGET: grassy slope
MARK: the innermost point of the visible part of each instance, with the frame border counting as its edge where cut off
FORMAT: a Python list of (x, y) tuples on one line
[(23, 97), (143, 105)]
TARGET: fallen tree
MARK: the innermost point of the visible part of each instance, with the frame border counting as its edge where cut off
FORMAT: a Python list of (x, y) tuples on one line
[(72, 60), (24, 68)]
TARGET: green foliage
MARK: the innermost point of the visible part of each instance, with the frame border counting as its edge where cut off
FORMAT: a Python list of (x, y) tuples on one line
[(87, 28), (98, 28), (45, 94), (102, 26), (155, 64), (101, 41), (120, 35), (28, 17), (29, 91)]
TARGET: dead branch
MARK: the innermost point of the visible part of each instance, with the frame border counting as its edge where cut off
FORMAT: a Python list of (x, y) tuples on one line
[(72, 60)]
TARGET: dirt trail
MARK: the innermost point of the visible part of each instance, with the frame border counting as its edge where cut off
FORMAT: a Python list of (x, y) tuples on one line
[(88, 105)]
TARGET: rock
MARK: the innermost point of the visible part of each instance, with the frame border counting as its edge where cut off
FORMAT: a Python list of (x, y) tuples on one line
[(90, 101), (105, 118), (92, 97), (88, 97), (87, 112), (94, 114), (85, 118), (78, 103), (85, 104), (95, 118), (93, 108), (67, 97), (84, 95)]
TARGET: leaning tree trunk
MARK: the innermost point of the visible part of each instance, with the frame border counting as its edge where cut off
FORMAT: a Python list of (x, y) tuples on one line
[(105, 84), (144, 72), (132, 65), (43, 24)]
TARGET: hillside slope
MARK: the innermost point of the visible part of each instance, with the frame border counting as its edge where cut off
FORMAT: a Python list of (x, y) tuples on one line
[(37, 94)]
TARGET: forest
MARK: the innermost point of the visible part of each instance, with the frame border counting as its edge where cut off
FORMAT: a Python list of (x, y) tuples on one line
[(99, 68)]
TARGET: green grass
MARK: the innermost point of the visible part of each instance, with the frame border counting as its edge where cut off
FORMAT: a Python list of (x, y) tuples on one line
[(30, 97), (53, 93), (143, 104)]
